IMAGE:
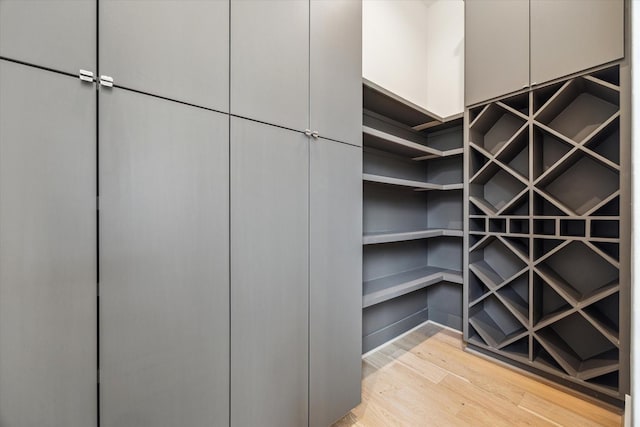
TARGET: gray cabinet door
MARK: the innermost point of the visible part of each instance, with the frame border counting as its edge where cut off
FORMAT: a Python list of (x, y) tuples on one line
[(57, 34), (336, 69), (496, 48), (164, 263), (178, 49), (335, 281), (270, 61), (48, 308), (568, 36), (269, 275)]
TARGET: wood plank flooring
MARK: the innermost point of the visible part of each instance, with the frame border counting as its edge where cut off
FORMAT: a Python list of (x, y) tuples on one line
[(426, 379)]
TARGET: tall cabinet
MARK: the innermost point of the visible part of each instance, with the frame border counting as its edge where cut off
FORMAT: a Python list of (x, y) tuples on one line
[(180, 229), (295, 211)]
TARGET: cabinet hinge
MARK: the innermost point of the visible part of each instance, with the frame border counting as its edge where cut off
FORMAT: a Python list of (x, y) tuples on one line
[(86, 76), (106, 81)]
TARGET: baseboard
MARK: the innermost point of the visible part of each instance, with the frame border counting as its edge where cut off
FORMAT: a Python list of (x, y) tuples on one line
[(426, 322), (394, 330)]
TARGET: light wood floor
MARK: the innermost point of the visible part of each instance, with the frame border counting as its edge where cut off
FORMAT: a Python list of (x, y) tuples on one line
[(426, 379)]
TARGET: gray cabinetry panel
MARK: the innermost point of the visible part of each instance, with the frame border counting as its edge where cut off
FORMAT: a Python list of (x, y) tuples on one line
[(496, 48), (47, 249), (175, 49), (335, 281), (164, 285), (58, 34), (336, 69), (269, 275), (270, 61), (568, 36)]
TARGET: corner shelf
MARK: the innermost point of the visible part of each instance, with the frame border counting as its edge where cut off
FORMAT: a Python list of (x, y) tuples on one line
[(544, 283), (402, 236), (413, 177), (389, 287), (416, 185)]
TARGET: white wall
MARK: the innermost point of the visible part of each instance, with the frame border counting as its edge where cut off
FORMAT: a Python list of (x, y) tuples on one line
[(445, 57), (414, 48), (394, 36)]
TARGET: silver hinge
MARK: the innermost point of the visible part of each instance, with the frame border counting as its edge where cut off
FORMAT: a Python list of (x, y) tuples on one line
[(86, 76), (315, 134), (106, 81), (308, 132)]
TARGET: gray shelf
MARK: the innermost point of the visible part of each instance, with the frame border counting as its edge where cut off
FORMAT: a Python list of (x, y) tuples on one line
[(413, 213), (386, 141), (386, 288), (416, 185), (402, 236)]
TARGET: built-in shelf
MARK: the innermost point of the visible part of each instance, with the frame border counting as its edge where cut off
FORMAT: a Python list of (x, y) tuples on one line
[(376, 238), (385, 141), (544, 284), (416, 185), (413, 173), (385, 288)]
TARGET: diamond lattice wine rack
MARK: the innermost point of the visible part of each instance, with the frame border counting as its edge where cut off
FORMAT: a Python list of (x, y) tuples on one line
[(544, 284)]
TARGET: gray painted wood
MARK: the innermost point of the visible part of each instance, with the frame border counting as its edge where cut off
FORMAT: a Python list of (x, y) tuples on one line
[(58, 34), (269, 275), (164, 263), (569, 36), (270, 61), (48, 309), (336, 69), (496, 48), (175, 49), (335, 281)]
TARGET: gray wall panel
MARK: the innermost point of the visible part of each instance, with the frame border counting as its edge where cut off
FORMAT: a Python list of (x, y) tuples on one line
[(58, 34), (269, 275), (164, 263), (178, 49), (496, 48), (336, 69), (335, 280), (270, 61), (48, 308)]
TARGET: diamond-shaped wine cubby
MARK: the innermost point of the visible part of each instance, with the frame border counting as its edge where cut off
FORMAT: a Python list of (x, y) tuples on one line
[(493, 189), (597, 183), (495, 127), (577, 272), (494, 263), (579, 108), (579, 348), (495, 324), (548, 259)]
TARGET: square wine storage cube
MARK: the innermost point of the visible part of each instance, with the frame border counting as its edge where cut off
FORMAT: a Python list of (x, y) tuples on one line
[(548, 273)]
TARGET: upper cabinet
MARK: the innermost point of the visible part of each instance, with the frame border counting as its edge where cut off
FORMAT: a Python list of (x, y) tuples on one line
[(298, 64), (568, 36), (496, 48), (270, 61), (512, 45), (55, 34), (175, 49), (336, 69)]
